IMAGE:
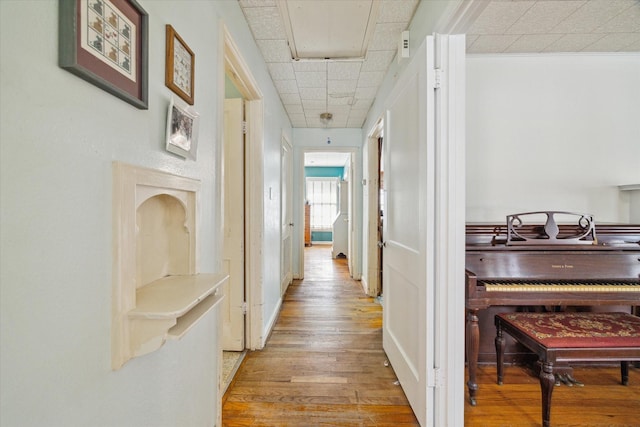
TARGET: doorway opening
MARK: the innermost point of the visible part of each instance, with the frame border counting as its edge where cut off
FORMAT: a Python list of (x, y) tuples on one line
[(328, 202), (242, 210)]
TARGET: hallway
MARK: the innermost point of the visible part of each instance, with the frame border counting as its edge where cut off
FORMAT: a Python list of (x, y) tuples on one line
[(323, 365)]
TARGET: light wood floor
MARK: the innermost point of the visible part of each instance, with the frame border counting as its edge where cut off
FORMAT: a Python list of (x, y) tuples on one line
[(323, 365)]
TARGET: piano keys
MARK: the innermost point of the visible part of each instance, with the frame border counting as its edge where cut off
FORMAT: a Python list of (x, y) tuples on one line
[(604, 269)]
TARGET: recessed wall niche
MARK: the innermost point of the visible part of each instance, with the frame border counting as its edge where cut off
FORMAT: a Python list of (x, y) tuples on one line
[(157, 292)]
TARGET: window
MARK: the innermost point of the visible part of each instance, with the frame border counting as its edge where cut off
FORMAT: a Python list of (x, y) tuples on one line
[(322, 194)]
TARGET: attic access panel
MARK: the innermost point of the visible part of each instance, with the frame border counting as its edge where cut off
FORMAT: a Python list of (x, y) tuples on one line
[(320, 29)]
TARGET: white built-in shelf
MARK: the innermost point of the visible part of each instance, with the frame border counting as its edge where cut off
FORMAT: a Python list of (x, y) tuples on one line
[(173, 296), (168, 308)]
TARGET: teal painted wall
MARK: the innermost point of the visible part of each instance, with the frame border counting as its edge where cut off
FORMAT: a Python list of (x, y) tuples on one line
[(321, 236), (324, 172)]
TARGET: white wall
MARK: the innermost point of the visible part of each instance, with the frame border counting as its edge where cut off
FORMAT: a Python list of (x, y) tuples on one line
[(59, 136), (315, 139), (552, 132)]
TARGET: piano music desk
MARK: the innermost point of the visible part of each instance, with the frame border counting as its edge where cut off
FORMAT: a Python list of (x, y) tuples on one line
[(570, 337)]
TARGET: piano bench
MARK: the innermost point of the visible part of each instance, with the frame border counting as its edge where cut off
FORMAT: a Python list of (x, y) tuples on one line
[(570, 337)]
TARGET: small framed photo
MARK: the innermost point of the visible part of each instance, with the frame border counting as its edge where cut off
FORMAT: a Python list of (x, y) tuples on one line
[(182, 129), (106, 42), (180, 66)]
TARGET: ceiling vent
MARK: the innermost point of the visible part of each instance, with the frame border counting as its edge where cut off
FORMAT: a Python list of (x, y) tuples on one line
[(324, 30)]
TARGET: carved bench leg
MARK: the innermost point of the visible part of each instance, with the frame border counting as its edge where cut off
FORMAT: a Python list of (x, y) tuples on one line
[(624, 371), (547, 381), (472, 336)]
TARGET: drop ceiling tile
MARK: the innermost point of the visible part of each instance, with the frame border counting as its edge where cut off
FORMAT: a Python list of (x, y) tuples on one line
[(290, 98), (573, 42), (340, 110), (342, 87), (340, 99), (591, 15), (366, 92), (355, 122), (311, 79), (633, 47), (625, 22), (339, 122), (314, 104), (359, 113), (274, 50), (362, 104), (397, 10), (312, 93), (378, 60), (543, 16), (497, 17), (611, 42), (492, 43), (294, 109), (257, 3), (310, 66), (265, 23), (286, 86), (532, 43), (281, 71), (343, 70), (387, 36), (370, 79)]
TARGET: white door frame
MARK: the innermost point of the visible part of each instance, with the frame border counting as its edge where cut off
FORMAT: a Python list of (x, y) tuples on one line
[(286, 191), (354, 235), (450, 214), (233, 65), (371, 277)]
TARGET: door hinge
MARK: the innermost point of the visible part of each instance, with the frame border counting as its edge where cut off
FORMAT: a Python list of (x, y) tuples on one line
[(244, 307), (438, 78), (437, 378), (244, 127)]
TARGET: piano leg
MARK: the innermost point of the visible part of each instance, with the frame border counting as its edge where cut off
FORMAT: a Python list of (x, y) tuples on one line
[(499, 353), (472, 338), (624, 371)]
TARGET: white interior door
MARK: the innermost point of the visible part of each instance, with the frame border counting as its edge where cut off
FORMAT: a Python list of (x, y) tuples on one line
[(233, 249), (409, 217), (286, 194)]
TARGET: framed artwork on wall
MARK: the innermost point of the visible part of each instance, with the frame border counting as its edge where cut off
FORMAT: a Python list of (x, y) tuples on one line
[(182, 129), (106, 42), (180, 66)]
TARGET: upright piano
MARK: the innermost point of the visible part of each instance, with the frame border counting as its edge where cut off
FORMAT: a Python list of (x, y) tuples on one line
[(548, 264)]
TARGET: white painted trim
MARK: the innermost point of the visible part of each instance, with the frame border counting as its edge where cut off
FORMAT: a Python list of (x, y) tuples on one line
[(271, 323), (356, 192), (372, 287), (285, 280), (239, 72), (298, 164), (254, 236), (450, 229)]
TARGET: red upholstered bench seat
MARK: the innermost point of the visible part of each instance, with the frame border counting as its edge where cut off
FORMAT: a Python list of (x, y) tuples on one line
[(578, 330), (570, 337)]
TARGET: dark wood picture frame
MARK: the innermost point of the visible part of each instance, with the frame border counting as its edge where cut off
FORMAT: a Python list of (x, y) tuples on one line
[(180, 66), (106, 42)]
